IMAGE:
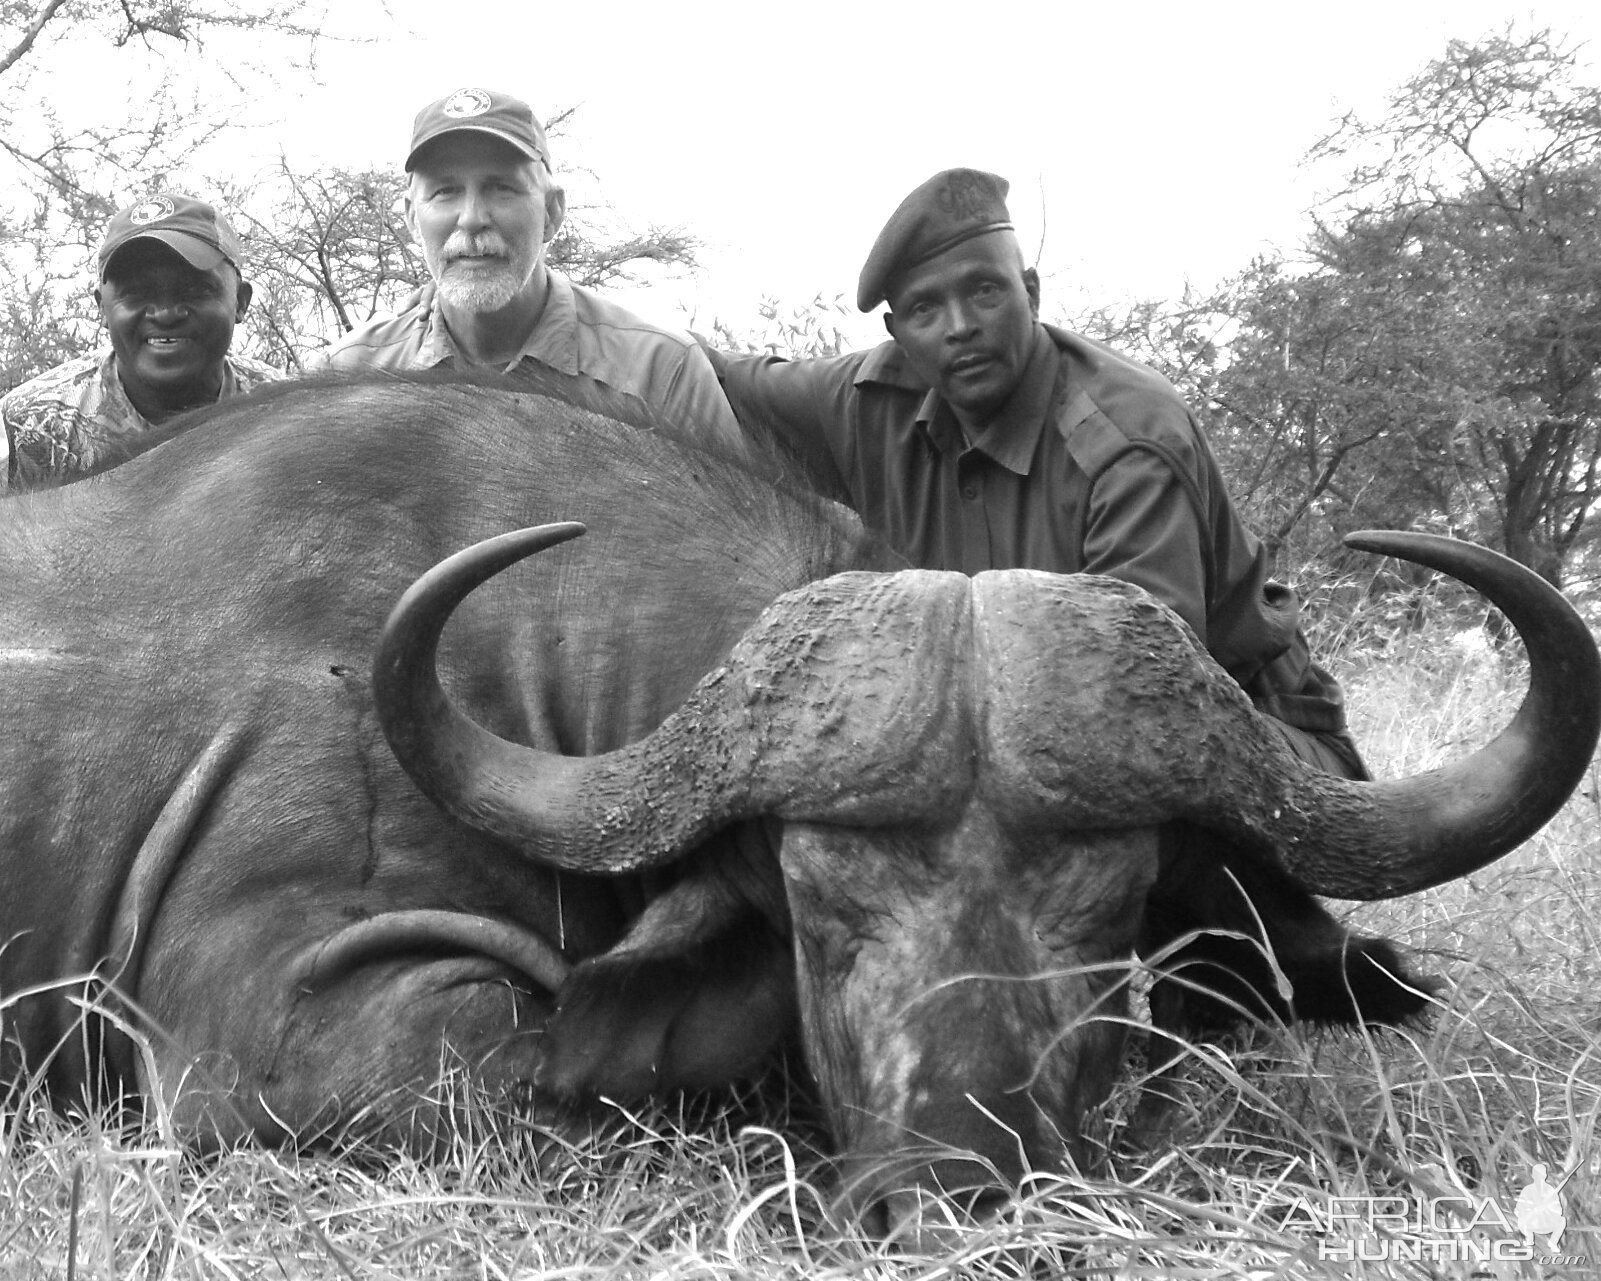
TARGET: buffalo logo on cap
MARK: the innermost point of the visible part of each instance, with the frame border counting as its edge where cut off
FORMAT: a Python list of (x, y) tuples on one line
[(466, 102), (155, 208)]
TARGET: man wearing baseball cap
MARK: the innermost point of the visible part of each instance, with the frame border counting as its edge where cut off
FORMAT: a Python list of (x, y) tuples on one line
[(170, 292), (484, 206), (979, 438)]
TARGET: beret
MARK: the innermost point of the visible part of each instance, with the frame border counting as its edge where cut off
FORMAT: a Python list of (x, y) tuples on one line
[(952, 206)]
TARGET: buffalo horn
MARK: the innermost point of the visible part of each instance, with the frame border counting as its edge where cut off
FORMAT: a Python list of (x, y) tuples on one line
[(583, 813), (1395, 837)]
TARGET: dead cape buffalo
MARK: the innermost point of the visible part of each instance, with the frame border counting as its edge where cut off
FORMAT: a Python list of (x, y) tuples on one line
[(968, 781), (966, 784)]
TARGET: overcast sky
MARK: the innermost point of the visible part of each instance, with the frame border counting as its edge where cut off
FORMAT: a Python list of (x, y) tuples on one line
[(1147, 143)]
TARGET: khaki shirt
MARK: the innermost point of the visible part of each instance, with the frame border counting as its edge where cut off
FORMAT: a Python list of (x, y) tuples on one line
[(579, 332), (77, 417), (1095, 466)]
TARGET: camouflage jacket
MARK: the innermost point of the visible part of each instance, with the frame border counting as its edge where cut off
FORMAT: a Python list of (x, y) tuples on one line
[(76, 416)]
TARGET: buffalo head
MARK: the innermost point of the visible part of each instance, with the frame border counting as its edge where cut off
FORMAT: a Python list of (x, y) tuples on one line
[(971, 778)]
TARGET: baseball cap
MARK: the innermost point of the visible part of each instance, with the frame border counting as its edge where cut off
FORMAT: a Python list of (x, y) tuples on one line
[(480, 111), (190, 227)]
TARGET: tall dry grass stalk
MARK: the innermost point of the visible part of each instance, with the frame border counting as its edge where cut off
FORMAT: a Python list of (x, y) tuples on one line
[(1507, 1074)]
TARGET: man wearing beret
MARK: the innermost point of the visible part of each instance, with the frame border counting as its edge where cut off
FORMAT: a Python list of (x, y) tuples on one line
[(484, 206), (170, 293), (980, 438)]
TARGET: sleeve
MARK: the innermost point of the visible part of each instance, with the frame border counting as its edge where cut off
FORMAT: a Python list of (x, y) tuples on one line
[(805, 405), (1142, 527), (32, 459), (695, 401), (343, 356)]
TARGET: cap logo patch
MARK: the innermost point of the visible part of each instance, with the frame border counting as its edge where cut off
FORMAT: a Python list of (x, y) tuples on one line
[(965, 196), (155, 208), (466, 102)]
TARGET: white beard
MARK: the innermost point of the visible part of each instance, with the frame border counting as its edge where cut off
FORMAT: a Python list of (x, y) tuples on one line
[(480, 288), (483, 292)]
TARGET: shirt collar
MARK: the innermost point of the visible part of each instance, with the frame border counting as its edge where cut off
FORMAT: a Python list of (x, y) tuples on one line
[(555, 336), (435, 347), (1011, 439)]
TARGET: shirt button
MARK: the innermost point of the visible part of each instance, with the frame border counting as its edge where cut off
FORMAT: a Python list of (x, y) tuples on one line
[(970, 492)]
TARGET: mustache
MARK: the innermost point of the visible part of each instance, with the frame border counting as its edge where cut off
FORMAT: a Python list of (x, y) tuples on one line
[(486, 244)]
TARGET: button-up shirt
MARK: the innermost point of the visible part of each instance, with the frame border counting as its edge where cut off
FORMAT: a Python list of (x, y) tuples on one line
[(1095, 465), (578, 332)]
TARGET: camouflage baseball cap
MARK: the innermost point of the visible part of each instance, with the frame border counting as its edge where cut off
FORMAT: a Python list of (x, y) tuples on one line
[(952, 206), (190, 227), (480, 111)]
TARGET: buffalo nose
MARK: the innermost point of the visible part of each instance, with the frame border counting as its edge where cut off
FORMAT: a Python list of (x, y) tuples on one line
[(936, 1220), (926, 1203)]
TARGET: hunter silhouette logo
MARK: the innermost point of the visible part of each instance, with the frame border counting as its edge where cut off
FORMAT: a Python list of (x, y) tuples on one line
[(1444, 1224), (1539, 1210)]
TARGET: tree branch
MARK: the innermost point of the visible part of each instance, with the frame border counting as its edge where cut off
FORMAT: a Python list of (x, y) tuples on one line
[(21, 48)]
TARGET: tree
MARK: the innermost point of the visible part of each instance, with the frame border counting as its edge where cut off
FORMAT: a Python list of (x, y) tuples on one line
[(326, 250), (1322, 410), (80, 157), (66, 164), (330, 249), (1185, 341), (1440, 361)]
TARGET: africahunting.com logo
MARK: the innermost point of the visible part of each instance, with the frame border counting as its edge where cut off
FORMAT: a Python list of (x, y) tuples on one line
[(1455, 1227)]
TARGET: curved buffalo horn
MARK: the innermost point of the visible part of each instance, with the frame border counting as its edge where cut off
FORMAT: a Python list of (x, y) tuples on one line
[(586, 813), (1385, 839), (649, 801)]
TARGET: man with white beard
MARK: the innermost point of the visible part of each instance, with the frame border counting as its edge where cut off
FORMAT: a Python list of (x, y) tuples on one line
[(483, 204)]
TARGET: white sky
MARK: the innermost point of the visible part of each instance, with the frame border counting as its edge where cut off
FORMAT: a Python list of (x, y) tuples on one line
[(1147, 143)]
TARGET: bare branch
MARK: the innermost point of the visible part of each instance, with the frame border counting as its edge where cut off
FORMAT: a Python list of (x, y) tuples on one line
[(22, 48)]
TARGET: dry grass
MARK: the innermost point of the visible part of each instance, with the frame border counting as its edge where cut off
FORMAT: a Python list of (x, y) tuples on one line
[(1507, 1074)]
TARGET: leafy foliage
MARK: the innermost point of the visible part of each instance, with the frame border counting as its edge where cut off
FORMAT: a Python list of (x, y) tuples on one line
[(805, 331), (1439, 362), (1432, 359)]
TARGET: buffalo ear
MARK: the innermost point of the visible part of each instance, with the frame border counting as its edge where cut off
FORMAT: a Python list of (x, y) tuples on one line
[(635, 1022)]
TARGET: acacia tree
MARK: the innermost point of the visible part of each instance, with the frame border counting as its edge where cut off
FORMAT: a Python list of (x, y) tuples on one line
[(1184, 340), (326, 251), (1440, 363), (66, 163), (330, 249), (1329, 410), (58, 140)]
